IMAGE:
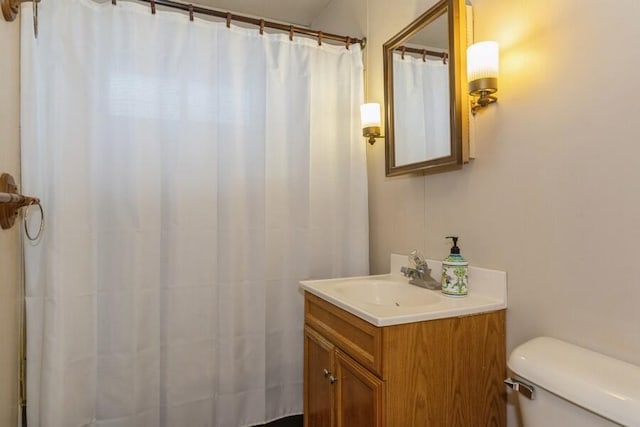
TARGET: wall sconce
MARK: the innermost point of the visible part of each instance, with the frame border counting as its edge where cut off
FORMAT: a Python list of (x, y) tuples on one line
[(482, 73), (370, 119)]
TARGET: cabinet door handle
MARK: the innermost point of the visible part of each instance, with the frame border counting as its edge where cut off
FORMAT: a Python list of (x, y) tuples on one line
[(328, 375)]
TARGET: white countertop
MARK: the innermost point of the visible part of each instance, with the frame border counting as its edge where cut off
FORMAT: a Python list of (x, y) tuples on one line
[(487, 292)]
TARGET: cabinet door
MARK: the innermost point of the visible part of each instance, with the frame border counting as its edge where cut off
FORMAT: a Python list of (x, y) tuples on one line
[(318, 374), (359, 394)]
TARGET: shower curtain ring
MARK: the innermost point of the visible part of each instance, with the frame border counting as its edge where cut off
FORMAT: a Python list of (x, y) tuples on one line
[(26, 226)]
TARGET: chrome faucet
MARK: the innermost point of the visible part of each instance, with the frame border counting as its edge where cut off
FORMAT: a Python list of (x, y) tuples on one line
[(420, 275)]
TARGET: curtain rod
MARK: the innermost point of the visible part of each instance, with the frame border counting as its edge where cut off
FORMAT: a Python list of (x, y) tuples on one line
[(424, 52), (262, 23), (10, 9)]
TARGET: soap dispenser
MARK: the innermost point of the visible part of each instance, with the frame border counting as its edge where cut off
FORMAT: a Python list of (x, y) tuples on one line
[(455, 276)]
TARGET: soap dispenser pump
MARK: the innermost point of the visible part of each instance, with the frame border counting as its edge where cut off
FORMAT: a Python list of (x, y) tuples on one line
[(455, 275)]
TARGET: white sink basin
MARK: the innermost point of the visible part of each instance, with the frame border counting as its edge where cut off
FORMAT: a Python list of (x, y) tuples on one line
[(389, 299), (386, 293)]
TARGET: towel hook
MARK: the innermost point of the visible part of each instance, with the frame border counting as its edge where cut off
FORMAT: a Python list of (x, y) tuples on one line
[(11, 202), (26, 222)]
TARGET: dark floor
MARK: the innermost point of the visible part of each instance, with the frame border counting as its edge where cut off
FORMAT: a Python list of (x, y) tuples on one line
[(293, 421)]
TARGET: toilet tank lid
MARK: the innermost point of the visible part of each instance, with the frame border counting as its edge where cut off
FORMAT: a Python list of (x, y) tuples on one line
[(599, 383)]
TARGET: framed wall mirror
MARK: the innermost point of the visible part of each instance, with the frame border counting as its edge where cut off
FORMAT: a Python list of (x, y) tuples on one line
[(426, 104)]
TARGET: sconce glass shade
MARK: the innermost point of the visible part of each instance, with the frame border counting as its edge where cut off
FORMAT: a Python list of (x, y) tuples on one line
[(482, 67), (370, 115), (370, 120)]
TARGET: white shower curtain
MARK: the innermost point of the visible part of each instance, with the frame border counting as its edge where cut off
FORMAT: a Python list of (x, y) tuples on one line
[(191, 175), (421, 109)]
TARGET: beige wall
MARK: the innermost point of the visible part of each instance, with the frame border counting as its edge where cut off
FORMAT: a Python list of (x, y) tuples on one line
[(345, 17), (9, 243), (553, 197), (396, 204)]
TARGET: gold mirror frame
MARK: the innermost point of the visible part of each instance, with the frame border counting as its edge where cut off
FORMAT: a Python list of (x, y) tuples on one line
[(459, 113)]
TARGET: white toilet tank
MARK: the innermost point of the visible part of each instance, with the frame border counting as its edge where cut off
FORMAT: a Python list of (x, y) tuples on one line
[(573, 386)]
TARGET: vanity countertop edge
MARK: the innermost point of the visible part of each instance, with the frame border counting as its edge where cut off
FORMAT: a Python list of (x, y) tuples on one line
[(487, 293)]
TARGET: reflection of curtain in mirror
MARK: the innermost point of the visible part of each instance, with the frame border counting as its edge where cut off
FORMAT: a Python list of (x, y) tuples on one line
[(421, 107)]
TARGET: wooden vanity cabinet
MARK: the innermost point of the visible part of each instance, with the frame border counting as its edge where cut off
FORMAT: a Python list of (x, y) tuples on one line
[(439, 373), (319, 357), (359, 394), (354, 400)]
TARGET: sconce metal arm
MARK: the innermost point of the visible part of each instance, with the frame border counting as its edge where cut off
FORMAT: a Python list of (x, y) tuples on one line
[(484, 89), (372, 132), (484, 100)]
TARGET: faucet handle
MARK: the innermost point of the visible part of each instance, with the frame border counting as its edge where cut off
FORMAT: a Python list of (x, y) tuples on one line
[(417, 258)]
